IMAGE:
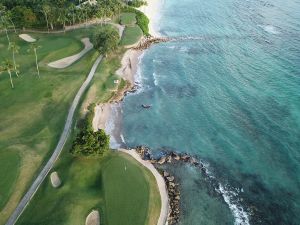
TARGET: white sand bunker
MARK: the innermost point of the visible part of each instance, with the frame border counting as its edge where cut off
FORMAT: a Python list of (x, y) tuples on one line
[(93, 218), (55, 180), (27, 38), (65, 62)]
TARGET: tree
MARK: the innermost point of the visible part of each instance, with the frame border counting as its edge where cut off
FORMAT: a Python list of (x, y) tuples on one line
[(9, 67), (24, 16), (4, 22), (105, 40), (15, 49), (33, 48), (88, 142), (46, 10)]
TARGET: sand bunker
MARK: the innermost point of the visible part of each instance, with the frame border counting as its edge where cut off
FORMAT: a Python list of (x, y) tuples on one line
[(93, 218), (65, 62), (27, 38), (55, 181)]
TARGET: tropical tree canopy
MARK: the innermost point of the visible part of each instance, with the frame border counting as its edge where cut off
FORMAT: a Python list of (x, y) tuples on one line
[(105, 40)]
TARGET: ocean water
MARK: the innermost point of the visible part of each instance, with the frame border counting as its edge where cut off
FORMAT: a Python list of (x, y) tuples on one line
[(227, 91)]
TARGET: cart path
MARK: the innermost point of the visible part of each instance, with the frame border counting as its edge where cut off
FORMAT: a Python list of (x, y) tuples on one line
[(63, 138)]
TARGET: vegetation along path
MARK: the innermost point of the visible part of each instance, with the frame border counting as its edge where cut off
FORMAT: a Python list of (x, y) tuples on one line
[(34, 187)]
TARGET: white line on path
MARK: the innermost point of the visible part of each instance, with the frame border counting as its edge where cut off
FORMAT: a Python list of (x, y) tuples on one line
[(64, 136)]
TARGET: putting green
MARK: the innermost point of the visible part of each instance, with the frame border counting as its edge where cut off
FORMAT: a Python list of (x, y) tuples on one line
[(116, 185)]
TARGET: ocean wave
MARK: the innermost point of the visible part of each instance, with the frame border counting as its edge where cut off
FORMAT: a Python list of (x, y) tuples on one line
[(155, 77), (241, 217), (270, 29), (230, 196)]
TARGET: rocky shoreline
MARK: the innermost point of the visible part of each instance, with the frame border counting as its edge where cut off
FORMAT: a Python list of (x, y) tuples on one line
[(173, 187)]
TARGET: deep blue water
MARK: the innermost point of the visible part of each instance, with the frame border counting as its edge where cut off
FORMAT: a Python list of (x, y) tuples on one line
[(230, 94)]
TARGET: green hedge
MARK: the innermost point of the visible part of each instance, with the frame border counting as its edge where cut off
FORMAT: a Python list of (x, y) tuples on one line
[(141, 19)]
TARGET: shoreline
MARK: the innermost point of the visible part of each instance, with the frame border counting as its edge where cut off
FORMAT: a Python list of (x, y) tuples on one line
[(107, 116)]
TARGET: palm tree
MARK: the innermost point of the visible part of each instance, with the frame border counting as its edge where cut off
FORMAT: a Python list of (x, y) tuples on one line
[(9, 67), (33, 48), (15, 49), (46, 10), (3, 22)]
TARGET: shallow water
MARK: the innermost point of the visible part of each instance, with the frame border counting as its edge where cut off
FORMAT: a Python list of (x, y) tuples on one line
[(229, 92)]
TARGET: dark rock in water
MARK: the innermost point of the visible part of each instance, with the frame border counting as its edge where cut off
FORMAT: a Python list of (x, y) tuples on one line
[(162, 160), (166, 174)]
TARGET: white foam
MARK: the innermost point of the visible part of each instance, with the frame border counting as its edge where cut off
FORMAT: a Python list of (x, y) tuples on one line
[(241, 217), (123, 139), (270, 29), (155, 79)]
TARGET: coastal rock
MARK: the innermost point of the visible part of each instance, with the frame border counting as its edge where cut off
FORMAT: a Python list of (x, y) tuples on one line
[(166, 174), (162, 160), (170, 178)]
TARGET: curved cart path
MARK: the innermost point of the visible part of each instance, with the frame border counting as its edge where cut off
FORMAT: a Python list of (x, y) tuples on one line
[(68, 61), (34, 187), (162, 220)]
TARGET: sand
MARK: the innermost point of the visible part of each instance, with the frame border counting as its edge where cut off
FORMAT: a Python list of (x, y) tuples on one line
[(27, 37), (93, 218), (102, 112), (160, 182), (65, 62), (152, 11), (129, 64), (55, 180)]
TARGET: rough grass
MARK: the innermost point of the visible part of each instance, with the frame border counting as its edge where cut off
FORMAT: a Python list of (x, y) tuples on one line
[(33, 114), (131, 35), (128, 19), (122, 197)]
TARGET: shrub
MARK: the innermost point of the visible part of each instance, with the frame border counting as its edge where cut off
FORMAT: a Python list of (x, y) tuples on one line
[(141, 19), (88, 142)]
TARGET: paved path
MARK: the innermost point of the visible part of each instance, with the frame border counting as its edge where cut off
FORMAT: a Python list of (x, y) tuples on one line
[(162, 220), (34, 187)]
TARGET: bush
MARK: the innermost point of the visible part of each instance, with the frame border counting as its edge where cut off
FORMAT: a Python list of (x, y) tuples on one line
[(88, 142), (141, 19), (105, 40), (137, 3)]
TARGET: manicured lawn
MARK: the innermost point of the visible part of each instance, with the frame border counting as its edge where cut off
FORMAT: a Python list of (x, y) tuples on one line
[(33, 113), (127, 19), (9, 168), (122, 195), (131, 35)]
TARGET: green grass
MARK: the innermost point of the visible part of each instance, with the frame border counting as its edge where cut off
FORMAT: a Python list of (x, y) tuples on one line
[(33, 113), (131, 35), (122, 196), (127, 19), (9, 168)]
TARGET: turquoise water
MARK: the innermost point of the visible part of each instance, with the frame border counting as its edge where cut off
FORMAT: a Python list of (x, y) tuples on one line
[(229, 92)]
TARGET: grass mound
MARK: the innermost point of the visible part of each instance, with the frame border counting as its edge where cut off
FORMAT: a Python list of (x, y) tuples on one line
[(131, 35), (128, 18)]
